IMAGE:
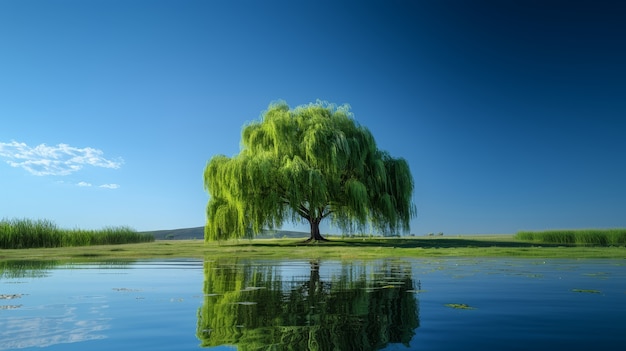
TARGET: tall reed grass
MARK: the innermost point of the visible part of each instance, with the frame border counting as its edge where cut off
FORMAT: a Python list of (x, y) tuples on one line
[(591, 237), (28, 233)]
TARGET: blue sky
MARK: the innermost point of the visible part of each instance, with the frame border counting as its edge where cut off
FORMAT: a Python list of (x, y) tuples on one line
[(511, 114)]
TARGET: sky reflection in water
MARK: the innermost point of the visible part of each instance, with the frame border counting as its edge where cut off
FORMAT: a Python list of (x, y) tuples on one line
[(517, 304)]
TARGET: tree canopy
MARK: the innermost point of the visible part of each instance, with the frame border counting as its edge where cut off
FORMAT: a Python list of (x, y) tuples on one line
[(306, 164)]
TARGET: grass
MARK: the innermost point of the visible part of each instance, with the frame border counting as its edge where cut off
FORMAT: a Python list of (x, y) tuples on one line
[(339, 249), (590, 237), (28, 234)]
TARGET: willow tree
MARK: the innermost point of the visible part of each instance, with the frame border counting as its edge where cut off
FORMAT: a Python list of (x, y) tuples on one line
[(307, 164)]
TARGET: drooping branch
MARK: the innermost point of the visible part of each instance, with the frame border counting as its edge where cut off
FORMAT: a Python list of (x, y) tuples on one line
[(313, 162)]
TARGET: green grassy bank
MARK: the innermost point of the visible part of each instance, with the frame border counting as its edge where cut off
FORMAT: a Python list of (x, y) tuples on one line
[(27, 234), (339, 249)]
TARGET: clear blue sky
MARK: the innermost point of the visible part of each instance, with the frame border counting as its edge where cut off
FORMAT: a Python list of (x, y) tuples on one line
[(511, 114)]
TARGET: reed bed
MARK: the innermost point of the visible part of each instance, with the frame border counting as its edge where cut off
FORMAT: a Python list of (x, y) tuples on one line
[(590, 237), (28, 233)]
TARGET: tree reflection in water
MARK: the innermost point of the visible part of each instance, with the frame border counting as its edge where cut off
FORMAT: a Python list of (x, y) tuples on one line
[(257, 307)]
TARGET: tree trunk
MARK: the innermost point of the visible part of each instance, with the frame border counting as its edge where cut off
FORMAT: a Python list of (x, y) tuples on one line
[(315, 284), (315, 231)]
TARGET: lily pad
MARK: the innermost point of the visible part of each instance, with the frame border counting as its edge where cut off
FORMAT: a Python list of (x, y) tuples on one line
[(10, 296), (460, 306), (589, 291)]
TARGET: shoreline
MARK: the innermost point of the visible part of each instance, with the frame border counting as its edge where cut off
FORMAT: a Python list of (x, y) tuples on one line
[(337, 248)]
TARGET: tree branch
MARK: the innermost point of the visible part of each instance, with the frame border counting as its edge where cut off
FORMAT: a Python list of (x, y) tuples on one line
[(304, 212)]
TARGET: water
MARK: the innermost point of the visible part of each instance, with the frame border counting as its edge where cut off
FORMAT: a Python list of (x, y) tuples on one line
[(512, 304)]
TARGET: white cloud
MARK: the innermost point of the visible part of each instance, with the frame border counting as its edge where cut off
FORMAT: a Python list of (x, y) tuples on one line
[(84, 184), (109, 186), (58, 160)]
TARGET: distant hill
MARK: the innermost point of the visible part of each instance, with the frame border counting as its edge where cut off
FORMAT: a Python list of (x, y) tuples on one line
[(198, 233), (178, 234)]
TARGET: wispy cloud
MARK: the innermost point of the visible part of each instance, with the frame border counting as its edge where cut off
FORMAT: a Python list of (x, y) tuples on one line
[(83, 184), (109, 186), (59, 160)]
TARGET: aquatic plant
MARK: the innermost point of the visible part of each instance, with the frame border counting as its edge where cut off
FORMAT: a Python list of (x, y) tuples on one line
[(592, 237), (27, 233), (460, 306), (589, 291)]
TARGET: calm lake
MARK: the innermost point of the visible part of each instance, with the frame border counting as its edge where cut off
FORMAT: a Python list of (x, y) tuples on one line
[(417, 304)]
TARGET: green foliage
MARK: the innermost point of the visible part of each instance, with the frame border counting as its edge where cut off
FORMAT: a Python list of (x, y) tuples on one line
[(592, 237), (27, 233), (306, 164)]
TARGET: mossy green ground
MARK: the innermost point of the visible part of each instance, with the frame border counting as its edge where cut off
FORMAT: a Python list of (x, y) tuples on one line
[(341, 249)]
